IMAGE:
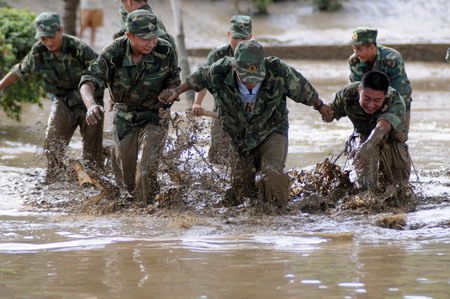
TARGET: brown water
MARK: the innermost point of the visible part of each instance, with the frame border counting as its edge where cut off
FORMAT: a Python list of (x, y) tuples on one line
[(232, 254), (220, 253)]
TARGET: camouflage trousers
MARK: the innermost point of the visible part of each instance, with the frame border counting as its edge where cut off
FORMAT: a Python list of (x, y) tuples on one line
[(390, 159), (136, 161), (62, 124), (261, 174), (220, 151)]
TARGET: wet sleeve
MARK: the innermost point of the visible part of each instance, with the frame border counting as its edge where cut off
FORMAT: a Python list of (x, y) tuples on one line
[(198, 79), (25, 67), (338, 104), (98, 71), (299, 89)]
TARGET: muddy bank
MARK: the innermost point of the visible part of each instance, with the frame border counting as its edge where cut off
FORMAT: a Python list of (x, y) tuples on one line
[(410, 52)]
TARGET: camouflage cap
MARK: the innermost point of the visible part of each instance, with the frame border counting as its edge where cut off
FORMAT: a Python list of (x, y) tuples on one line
[(364, 36), (241, 26), (144, 24), (249, 62), (47, 23)]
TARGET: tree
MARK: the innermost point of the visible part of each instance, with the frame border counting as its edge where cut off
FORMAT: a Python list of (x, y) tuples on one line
[(70, 16), (181, 46)]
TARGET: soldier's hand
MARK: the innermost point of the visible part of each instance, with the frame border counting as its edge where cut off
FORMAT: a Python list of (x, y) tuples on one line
[(94, 114), (168, 96), (360, 156), (197, 110), (327, 113)]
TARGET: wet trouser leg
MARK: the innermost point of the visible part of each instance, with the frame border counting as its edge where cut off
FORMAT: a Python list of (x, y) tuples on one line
[(92, 141), (396, 162), (137, 157), (267, 163), (271, 179), (61, 126)]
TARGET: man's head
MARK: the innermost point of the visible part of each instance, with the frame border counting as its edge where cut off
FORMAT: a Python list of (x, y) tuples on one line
[(364, 43), (372, 91), (49, 30), (249, 62), (132, 5), (142, 30), (240, 29)]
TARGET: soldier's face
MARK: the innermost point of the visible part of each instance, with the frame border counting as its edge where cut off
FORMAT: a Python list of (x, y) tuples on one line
[(371, 100), (53, 43), (365, 53), (142, 46), (234, 41)]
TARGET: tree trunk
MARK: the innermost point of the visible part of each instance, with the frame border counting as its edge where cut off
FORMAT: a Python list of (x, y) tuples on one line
[(70, 16), (183, 60)]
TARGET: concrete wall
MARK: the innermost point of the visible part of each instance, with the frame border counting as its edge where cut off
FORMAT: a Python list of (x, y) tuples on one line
[(410, 52)]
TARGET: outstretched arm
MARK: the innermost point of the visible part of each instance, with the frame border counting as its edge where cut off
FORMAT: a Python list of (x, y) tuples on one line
[(197, 108), (94, 111), (361, 153), (170, 95), (8, 80), (325, 110)]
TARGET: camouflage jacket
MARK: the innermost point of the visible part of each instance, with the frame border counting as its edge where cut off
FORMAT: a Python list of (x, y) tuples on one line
[(160, 25), (270, 111), (135, 87), (61, 74), (218, 53), (390, 62), (346, 103)]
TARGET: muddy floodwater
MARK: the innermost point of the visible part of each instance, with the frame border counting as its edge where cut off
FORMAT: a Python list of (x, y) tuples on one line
[(218, 253)]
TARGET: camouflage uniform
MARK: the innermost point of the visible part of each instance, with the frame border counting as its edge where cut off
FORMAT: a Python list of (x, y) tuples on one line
[(388, 61), (62, 75), (390, 157), (260, 140), (140, 120), (220, 151)]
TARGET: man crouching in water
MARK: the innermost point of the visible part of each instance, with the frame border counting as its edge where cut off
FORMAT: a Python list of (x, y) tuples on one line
[(377, 146)]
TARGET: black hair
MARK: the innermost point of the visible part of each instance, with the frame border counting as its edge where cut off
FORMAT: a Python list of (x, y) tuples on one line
[(375, 80)]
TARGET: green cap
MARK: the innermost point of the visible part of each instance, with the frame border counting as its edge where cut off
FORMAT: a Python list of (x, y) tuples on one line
[(144, 24), (249, 61), (47, 23), (241, 26), (364, 36)]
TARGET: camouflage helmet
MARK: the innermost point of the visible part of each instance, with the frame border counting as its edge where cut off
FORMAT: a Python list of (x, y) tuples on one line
[(364, 36), (144, 24), (47, 23), (249, 62), (241, 26)]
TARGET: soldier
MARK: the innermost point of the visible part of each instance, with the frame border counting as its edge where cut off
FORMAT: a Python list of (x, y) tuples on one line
[(132, 5), (368, 56), (250, 91), (240, 30), (377, 112), (136, 68), (61, 60)]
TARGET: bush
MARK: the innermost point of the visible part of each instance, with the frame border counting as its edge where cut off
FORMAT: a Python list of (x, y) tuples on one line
[(17, 33)]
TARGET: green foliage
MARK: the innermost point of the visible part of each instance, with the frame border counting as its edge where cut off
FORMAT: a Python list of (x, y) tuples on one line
[(16, 39), (328, 5), (262, 5)]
